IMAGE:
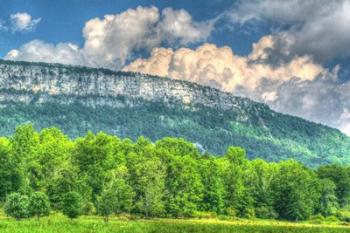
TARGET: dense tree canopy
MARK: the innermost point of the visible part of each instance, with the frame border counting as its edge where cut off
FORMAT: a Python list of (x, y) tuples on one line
[(168, 178)]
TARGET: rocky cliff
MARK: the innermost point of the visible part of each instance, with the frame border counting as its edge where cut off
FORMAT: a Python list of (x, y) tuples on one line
[(39, 82)]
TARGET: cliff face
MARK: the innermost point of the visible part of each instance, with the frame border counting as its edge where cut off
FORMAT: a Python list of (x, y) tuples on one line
[(40, 83), (78, 99)]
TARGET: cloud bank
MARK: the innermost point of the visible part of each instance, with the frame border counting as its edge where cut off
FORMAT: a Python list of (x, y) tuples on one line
[(221, 68)]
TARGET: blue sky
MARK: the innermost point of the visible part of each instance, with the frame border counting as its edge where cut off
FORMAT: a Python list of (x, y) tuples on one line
[(292, 55), (62, 21)]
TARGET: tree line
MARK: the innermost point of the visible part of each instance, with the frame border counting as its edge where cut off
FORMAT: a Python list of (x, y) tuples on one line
[(104, 175)]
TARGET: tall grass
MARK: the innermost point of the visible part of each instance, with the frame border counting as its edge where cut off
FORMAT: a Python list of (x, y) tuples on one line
[(60, 224)]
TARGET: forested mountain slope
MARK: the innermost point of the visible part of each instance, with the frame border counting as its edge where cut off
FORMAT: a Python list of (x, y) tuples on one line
[(78, 99)]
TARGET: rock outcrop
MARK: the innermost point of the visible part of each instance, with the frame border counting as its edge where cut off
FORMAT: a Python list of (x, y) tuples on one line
[(40, 83)]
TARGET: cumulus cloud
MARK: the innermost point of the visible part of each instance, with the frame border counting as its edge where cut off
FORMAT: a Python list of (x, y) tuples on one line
[(37, 50), (112, 40), (23, 21), (299, 86), (317, 27), (178, 26), (221, 68)]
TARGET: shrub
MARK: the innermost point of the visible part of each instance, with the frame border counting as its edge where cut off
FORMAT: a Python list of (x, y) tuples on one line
[(343, 215), (317, 219), (88, 208), (331, 219), (16, 206), (71, 205), (249, 213), (39, 204), (204, 215), (231, 212), (265, 212)]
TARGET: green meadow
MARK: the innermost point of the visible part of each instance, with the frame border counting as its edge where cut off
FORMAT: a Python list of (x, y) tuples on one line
[(60, 224)]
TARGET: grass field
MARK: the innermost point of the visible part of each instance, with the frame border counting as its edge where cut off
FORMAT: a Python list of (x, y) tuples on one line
[(59, 224)]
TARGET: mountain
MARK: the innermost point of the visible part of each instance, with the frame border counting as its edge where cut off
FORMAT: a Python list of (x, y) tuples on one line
[(78, 99)]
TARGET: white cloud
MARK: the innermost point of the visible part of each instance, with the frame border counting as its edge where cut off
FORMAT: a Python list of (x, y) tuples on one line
[(36, 50), (317, 27), (221, 68), (177, 25), (23, 21), (111, 41), (298, 86)]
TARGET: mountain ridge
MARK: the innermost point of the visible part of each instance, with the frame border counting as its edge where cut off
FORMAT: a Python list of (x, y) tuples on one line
[(28, 90), (109, 71), (135, 77)]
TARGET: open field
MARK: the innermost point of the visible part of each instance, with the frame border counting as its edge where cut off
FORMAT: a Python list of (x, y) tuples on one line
[(60, 224)]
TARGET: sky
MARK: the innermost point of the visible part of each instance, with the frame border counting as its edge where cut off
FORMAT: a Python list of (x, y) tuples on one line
[(292, 55)]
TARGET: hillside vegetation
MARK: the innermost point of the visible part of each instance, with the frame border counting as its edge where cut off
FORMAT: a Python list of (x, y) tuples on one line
[(130, 105), (104, 175)]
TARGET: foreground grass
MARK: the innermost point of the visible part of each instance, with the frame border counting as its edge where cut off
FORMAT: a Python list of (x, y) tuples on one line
[(59, 224)]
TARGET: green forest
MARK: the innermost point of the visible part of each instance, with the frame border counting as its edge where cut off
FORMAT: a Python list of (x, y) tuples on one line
[(100, 174), (280, 137)]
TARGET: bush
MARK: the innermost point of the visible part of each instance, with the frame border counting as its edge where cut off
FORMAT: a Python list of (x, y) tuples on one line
[(231, 212), (71, 205), (88, 208), (39, 205), (249, 213), (317, 219), (331, 219), (16, 206), (264, 212), (204, 215), (343, 215)]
